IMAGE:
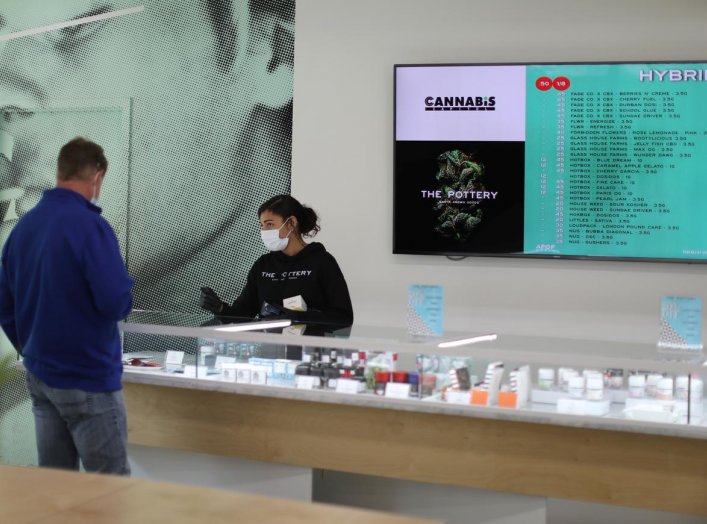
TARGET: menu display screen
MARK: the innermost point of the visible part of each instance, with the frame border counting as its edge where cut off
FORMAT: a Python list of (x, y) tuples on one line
[(556, 160)]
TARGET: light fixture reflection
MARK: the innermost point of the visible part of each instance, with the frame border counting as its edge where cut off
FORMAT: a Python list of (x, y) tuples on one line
[(255, 326), (465, 341)]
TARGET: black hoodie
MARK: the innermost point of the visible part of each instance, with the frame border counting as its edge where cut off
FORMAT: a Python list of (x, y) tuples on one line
[(312, 273)]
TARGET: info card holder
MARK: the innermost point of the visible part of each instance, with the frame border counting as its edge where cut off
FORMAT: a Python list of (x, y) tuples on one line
[(425, 313), (680, 335)]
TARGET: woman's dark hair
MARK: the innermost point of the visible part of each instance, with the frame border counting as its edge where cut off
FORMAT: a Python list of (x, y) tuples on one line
[(288, 206)]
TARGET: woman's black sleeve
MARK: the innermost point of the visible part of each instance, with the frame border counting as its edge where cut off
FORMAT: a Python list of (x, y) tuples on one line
[(338, 309), (247, 304)]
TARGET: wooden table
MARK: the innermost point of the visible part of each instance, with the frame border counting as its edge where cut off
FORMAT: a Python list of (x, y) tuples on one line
[(29, 494)]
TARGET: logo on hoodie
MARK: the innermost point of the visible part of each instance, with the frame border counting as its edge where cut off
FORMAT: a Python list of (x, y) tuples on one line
[(286, 275)]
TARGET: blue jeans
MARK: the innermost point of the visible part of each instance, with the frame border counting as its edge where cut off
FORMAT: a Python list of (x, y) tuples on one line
[(73, 425)]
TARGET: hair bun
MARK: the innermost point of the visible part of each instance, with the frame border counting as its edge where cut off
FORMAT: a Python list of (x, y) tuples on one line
[(288, 206)]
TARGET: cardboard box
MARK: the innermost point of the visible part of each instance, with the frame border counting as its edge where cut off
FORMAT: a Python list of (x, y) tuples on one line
[(295, 303), (480, 397), (508, 399)]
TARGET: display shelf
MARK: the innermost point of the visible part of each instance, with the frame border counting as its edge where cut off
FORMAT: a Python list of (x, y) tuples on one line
[(415, 353), (535, 412)]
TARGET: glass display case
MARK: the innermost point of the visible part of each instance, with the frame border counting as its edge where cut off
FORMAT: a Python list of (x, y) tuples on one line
[(588, 383)]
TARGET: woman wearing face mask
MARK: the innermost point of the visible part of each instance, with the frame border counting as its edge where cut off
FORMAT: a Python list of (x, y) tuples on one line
[(292, 267)]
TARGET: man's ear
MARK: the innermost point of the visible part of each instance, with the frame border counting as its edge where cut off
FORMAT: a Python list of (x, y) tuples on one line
[(271, 55)]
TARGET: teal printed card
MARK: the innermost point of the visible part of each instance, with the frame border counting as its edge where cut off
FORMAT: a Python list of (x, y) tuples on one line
[(425, 310), (680, 323)]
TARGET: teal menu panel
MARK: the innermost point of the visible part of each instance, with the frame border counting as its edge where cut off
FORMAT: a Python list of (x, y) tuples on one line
[(616, 160)]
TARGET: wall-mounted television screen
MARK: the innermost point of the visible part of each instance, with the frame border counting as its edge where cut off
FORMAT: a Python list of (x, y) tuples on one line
[(585, 160)]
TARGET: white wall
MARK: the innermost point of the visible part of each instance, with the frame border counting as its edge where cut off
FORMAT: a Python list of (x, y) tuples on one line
[(343, 153)]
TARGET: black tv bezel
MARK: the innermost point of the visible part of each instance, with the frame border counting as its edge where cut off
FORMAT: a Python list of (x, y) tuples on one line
[(543, 256)]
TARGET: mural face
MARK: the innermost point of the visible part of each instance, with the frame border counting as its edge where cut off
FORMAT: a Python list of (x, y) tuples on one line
[(191, 100)]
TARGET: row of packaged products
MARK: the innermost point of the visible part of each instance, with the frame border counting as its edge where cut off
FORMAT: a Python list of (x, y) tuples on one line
[(450, 379)]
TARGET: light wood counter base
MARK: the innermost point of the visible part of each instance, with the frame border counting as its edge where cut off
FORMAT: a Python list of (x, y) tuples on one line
[(629, 469)]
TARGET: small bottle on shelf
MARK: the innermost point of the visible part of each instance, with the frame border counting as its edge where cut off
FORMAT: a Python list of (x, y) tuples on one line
[(664, 390), (681, 387), (696, 388), (652, 381), (576, 387), (381, 378), (595, 387), (637, 386), (546, 378), (414, 379)]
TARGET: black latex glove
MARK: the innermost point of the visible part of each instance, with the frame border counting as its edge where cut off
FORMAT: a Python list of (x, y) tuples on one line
[(210, 301), (268, 310)]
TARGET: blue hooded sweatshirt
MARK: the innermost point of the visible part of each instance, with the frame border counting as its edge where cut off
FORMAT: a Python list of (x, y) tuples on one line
[(63, 287)]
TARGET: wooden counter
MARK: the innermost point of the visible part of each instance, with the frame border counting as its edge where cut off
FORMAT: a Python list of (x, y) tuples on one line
[(31, 494), (657, 472)]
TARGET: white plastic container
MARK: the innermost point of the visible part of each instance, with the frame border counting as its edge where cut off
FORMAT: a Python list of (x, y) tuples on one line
[(595, 388), (652, 381), (695, 384), (681, 387), (636, 386), (243, 372), (696, 389), (565, 375), (576, 387), (546, 378), (665, 389)]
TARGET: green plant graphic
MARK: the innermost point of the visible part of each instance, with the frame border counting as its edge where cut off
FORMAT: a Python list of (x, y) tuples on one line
[(458, 172)]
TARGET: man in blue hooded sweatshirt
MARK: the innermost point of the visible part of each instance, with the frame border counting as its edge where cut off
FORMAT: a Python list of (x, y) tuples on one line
[(63, 288)]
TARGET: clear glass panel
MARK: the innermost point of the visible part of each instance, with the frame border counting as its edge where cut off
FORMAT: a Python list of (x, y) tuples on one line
[(630, 387)]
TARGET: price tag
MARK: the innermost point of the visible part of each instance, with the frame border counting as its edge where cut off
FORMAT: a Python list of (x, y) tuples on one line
[(221, 360), (459, 397), (397, 390), (280, 368), (190, 371), (174, 358), (346, 385), (305, 382)]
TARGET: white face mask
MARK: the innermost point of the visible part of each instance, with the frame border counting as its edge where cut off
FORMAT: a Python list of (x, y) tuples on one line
[(271, 238)]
